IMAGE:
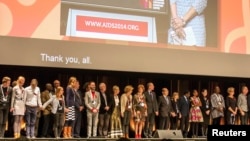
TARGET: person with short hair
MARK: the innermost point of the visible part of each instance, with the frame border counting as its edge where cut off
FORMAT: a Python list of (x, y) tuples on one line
[(218, 106), (231, 107), (242, 105), (92, 102), (104, 116), (140, 110), (126, 109), (32, 103), (115, 112), (184, 106), (5, 99)]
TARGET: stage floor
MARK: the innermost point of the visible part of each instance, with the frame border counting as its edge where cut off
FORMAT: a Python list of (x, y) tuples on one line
[(100, 139)]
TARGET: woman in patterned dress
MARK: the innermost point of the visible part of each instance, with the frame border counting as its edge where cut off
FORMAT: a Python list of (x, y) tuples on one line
[(115, 111), (140, 110), (195, 116)]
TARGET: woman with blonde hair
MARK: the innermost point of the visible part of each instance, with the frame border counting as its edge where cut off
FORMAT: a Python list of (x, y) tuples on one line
[(18, 105), (115, 120), (126, 109), (177, 115), (139, 110), (231, 106), (58, 110), (70, 105)]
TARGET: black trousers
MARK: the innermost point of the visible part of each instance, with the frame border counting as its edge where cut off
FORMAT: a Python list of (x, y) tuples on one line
[(3, 119), (184, 125), (216, 121), (77, 123), (164, 122), (46, 123)]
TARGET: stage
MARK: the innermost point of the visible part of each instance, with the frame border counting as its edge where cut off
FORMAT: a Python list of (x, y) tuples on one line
[(100, 139)]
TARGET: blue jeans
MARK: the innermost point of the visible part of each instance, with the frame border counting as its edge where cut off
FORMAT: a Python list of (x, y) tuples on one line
[(30, 117)]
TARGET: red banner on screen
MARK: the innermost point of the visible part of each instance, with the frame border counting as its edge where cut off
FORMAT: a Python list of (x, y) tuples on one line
[(111, 26)]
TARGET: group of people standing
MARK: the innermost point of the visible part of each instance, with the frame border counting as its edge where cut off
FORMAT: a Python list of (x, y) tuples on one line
[(110, 115)]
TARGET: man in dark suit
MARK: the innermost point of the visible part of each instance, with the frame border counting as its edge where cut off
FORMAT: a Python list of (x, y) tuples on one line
[(79, 106), (104, 115), (152, 110), (184, 109), (165, 109)]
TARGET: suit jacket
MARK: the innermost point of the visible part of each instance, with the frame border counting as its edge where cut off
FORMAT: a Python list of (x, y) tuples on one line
[(152, 104), (103, 105), (113, 105), (164, 107), (78, 100), (92, 102), (55, 103), (184, 106), (45, 96), (5, 104), (217, 102)]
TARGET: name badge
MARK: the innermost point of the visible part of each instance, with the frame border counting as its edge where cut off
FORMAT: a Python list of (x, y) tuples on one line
[(142, 104), (219, 103), (207, 106), (116, 104), (129, 107), (94, 102), (60, 108), (4, 99)]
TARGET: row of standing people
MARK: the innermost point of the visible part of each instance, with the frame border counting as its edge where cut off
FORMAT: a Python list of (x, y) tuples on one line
[(110, 115)]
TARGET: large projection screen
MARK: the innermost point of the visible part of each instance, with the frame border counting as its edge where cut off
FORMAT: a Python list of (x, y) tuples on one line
[(127, 35)]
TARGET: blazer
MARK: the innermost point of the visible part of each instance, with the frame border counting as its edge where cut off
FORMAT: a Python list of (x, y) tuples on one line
[(103, 105), (70, 97), (92, 102), (79, 99), (175, 106), (164, 107), (55, 103), (45, 96), (152, 104), (5, 104), (184, 106), (124, 102), (113, 105), (217, 102)]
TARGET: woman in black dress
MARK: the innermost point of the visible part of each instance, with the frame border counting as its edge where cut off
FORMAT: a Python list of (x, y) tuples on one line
[(177, 115), (205, 109), (231, 106)]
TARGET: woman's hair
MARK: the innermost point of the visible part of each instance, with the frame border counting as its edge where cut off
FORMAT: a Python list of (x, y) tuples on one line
[(71, 80), (58, 90), (175, 94), (6, 79), (128, 88), (115, 87), (230, 89), (141, 86)]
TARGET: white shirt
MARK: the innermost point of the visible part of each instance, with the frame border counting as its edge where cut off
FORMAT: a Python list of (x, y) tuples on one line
[(33, 97)]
